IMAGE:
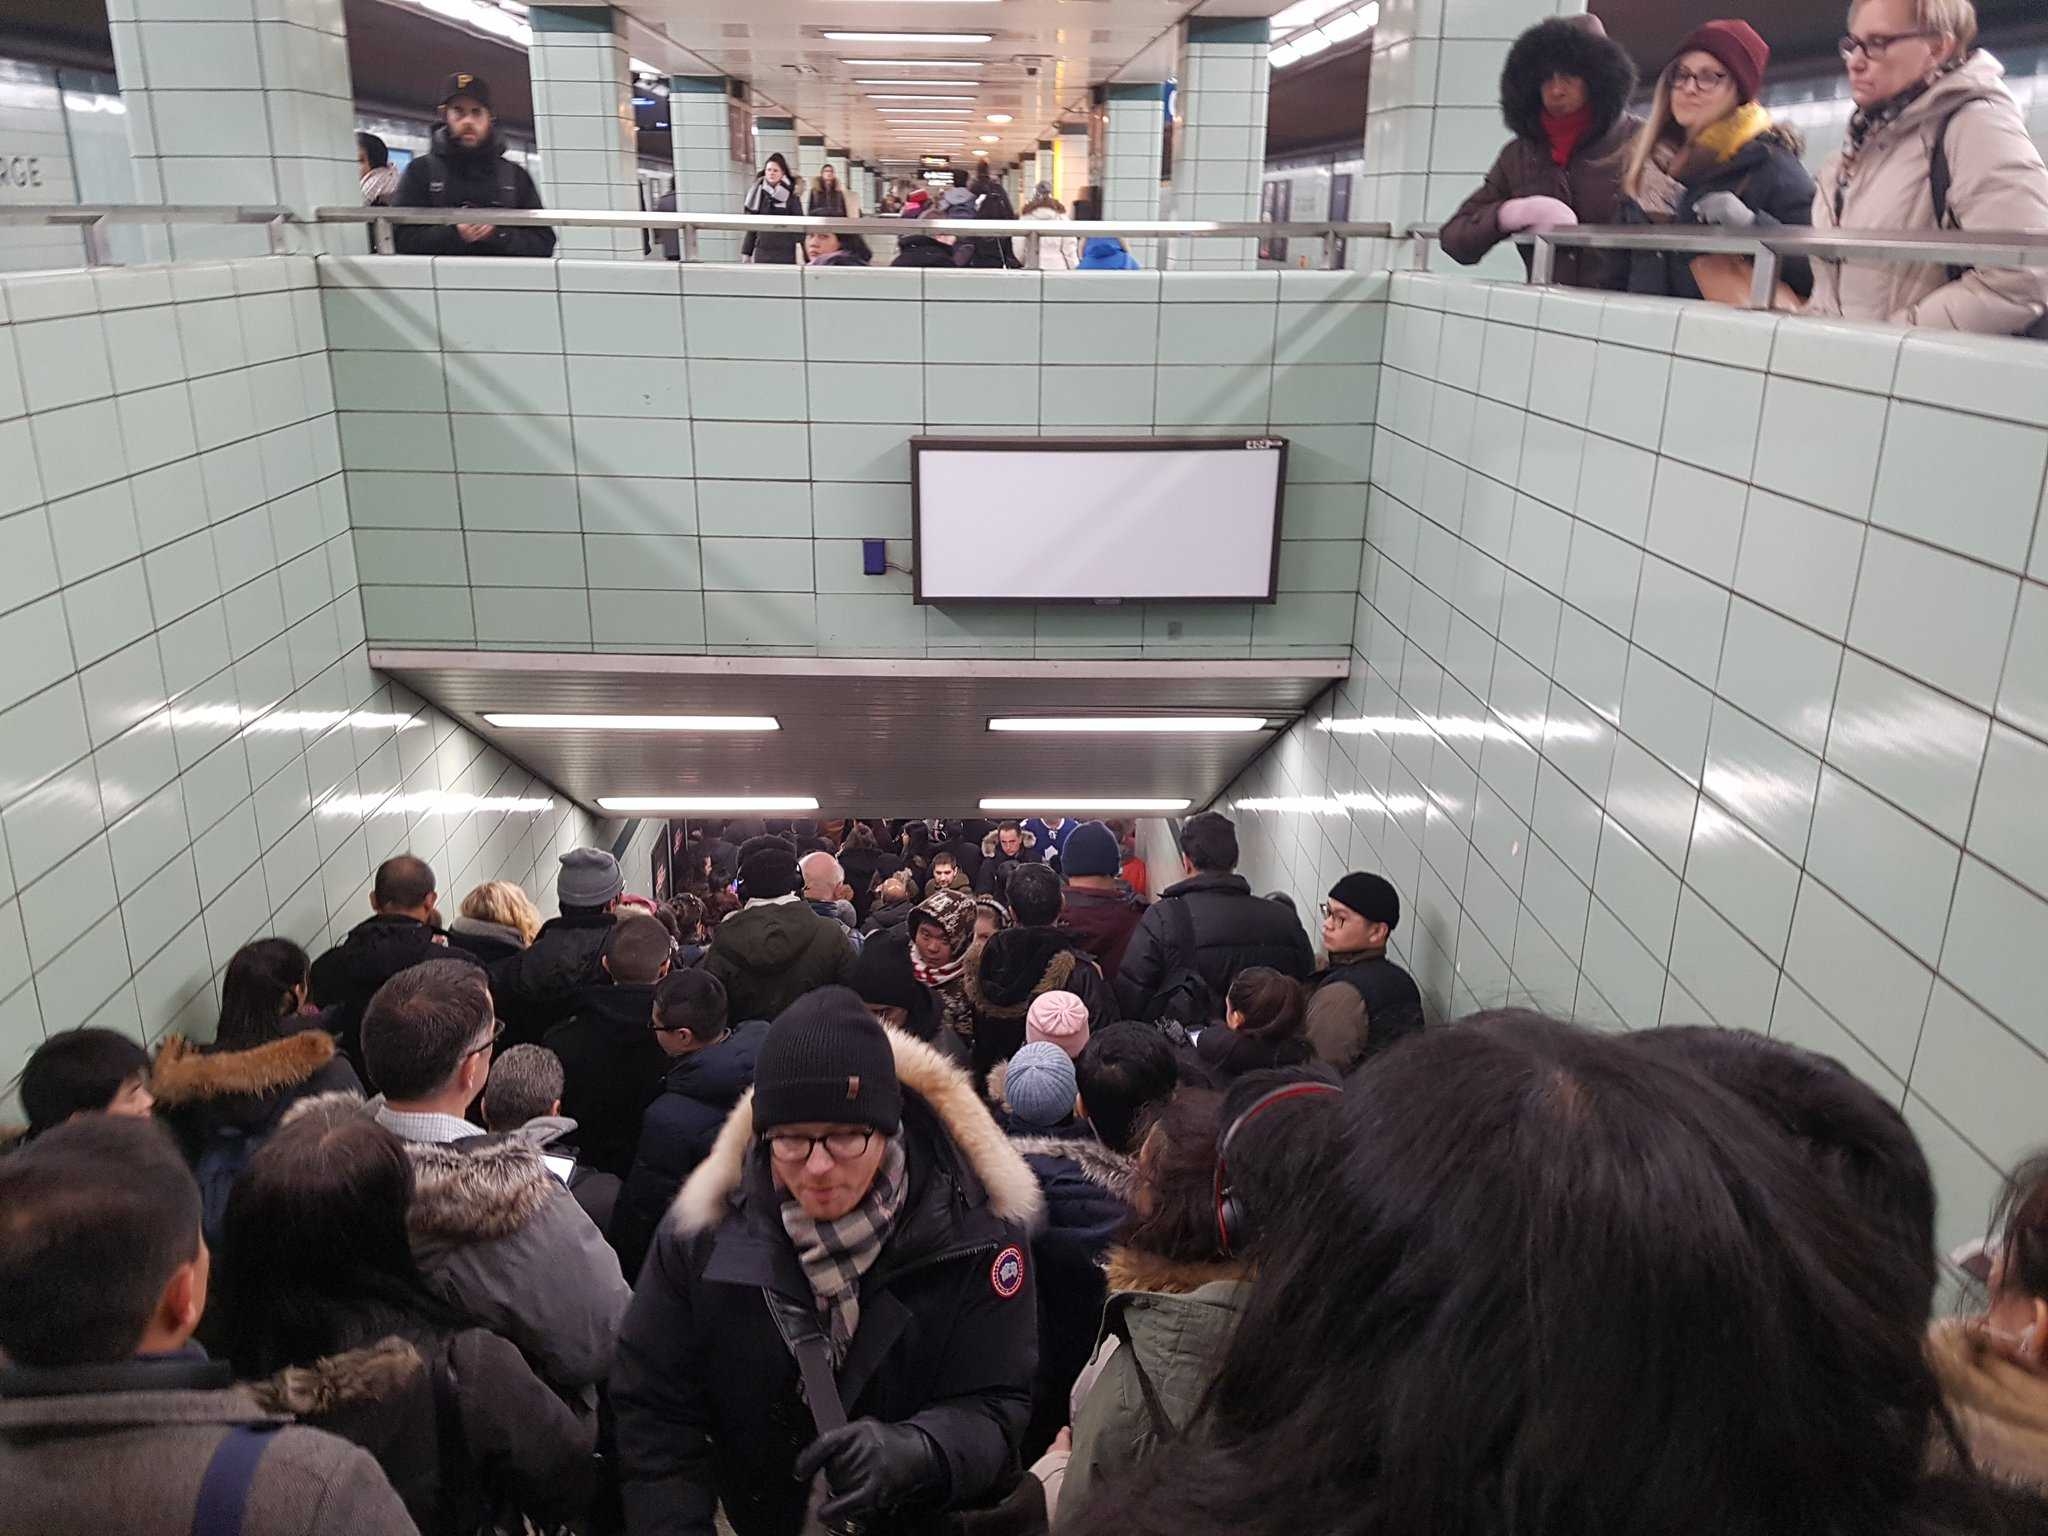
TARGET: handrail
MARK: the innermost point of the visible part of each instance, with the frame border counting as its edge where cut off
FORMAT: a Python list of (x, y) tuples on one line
[(1770, 247), (94, 219)]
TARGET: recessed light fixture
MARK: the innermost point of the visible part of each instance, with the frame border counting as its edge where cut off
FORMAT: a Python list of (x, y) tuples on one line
[(912, 63), (1000, 117), (1163, 725), (1349, 25), (634, 722), (706, 804), (921, 114), (981, 154), (908, 37), (1073, 803), (989, 138)]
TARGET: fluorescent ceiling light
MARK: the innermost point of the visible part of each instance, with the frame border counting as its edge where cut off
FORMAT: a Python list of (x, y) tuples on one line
[(921, 114), (510, 722), (981, 154), (1350, 24), (1302, 12), (912, 63), (649, 804), (999, 117), (1311, 43), (1073, 803), (914, 95), (1282, 56), (908, 37), (1171, 725), (949, 80)]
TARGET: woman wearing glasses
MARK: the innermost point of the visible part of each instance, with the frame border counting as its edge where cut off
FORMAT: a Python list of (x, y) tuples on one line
[(1937, 142), (836, 1324), (1710, 154)]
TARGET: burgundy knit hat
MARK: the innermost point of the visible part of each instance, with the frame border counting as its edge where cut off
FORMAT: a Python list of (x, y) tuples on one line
[(1741, 52)]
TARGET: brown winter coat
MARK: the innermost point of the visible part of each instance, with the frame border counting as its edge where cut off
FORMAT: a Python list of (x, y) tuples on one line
[(123, 1448), (1997, 184), (1591, 184)]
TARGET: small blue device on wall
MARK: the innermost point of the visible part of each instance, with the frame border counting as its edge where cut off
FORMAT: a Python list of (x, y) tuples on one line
[(874, 557)]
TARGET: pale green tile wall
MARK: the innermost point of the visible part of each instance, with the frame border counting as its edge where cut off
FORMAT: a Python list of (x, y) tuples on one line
[(194, 751), (581, 455), (1698, 677)]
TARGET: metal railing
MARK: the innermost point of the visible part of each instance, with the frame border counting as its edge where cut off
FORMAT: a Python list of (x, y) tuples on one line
[(93, 220), (1769, 249), (1030, 231)]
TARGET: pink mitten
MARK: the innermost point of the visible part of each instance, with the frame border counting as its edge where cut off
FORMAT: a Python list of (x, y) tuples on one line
[(1520, 213)]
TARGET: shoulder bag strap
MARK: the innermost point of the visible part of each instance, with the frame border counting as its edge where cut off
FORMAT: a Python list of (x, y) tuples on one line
[(224, 1490), (1182, 918), (1162, 1426), (813, 1352)]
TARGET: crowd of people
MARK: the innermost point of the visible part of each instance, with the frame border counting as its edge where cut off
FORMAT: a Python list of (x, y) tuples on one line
[(1936, 142), (928, 1177)]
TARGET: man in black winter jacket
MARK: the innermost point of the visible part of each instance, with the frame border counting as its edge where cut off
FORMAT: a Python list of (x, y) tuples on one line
[(536, 988), (865, 1152), (401, 934), (711, 1065), (1007, 971), (467, 168), (611, 1064), (1229, 926)]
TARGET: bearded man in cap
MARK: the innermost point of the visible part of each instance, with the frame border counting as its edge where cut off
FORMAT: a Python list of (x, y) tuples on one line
[(467, 168), (837, 1322), (775, 948)]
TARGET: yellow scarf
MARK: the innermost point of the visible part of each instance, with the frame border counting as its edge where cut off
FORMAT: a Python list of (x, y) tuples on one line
[(1723, 139)]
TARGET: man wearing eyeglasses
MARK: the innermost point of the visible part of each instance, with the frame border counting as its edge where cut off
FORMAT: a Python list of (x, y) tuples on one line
[(494, 1231), (1360, 1002), (837, 1322)]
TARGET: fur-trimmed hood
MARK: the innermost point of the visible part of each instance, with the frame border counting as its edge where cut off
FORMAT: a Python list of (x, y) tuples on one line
[(991, 848), (185, 1073), (1006, 970), (1132, 1269), (357, 1378), (1565, 46), (1110, 1171), (946, 1090)]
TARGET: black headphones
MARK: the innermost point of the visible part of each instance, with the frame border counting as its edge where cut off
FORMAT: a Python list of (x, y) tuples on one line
[(1233, 1222)]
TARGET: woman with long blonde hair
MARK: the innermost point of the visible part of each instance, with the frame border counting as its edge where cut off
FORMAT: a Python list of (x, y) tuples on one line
[(1710, 154), (498, 919)]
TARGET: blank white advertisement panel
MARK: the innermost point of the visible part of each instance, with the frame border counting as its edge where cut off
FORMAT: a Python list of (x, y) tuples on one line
[(1088, 520)]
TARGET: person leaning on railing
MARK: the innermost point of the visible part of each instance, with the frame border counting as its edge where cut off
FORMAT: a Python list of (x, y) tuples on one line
[(1931, 109)]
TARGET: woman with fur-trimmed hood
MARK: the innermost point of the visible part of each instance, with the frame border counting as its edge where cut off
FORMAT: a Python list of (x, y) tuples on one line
[(1564, 94), (862, 1225)]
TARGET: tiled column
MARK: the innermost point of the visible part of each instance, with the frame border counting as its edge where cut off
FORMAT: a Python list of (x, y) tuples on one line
[(223, 108), (1070, 156), (583, 123), (700, 128), (1133, 127), (1027, 174), (1432, 125), (1219, 152)]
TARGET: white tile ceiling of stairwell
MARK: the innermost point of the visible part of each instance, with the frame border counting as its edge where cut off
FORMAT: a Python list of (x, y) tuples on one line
[(882, 737), (1041, 60)]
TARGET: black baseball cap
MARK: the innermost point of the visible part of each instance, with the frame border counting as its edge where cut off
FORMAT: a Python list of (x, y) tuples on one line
[(462, 83)]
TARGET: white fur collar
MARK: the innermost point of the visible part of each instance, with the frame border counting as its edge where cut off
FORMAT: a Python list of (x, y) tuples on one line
[(947, 1090)]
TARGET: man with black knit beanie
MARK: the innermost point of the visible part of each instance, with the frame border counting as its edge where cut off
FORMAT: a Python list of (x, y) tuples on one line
[(775, 948), (837, 1321), (1360, 1002)]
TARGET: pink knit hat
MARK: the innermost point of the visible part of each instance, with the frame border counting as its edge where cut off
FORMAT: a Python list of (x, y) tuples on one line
[(1059, 1017)]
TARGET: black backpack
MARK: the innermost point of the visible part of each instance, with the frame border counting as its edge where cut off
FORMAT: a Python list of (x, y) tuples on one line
[(1939, 179), (437, 183), (1184, 999)]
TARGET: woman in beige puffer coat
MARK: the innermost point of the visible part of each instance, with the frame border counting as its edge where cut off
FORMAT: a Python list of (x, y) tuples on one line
[(1879, 179)]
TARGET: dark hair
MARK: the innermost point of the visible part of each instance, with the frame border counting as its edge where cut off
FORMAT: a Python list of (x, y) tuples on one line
[(1210, 842), (1288, 1147), (1177, 1167), (525, 1082), (402, 881), (858, 835), (256, 991), (959, 177), (637, 948), (421, 1024), (1855, 1139), (374, 149), (1035, 895), (1270, 1001), (77, 1071), (95, 1217), (693, 1000), (316, 1258), (776, 159), (2020, 1221), (1010, 826), (690, 916), (1582, 1291), (1122, 1071)]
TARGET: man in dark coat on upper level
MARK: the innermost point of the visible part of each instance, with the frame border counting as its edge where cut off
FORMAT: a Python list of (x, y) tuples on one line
[(467, 168)]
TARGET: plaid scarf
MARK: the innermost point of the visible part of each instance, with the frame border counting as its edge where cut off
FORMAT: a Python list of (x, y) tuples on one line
[(1866, 121), (835, 1254)]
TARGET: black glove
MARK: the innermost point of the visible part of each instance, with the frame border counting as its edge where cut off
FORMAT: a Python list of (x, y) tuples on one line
[(871, 1465)]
